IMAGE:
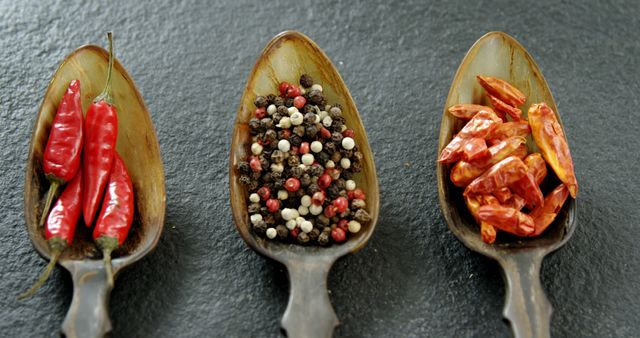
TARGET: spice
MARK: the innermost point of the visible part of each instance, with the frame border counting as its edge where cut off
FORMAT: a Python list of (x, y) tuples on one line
[(503, 179), (302, 155), (101, 131), (61, 157)]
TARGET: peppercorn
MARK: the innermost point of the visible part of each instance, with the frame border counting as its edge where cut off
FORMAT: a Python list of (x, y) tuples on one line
[(266, 123), (336, 126), (338, 235), (244, 179), (303, 238), (305, 180), (260, 227), (329, 147), (306, 80), (333, 191), (313, 187), (267, 178), (336, 137), (276, 175), (282, 231), (269, 218), (356, 167), (314, 234), (323, 239), (282, 111), (288, 101), (335, 112), (253, 185), (261, 101), (255, 176), (277, 156), (347, 175), (336, 157), (295, 140), (293, 161), (358, 156), (362, 216), (316, 97), (357, 203), (254, 125), (243, 167), (270, 136), (278, 183), (299, 130)]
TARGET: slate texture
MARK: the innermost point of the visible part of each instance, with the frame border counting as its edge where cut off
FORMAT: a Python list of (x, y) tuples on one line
[(191, 60)]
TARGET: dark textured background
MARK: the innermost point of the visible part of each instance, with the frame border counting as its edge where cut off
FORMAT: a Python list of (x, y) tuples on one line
[(414, 279)]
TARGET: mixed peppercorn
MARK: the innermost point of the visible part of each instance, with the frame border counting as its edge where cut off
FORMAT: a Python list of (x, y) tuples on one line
[(500, 178), (80, 157), (301, 168)]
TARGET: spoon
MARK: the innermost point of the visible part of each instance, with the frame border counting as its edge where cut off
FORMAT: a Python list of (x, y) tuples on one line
[(88, 315), (526, 307), (287, 56)]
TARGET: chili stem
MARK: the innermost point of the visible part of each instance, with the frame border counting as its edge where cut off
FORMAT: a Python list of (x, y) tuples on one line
[(106, 92), (55, 255), (107, 244), (53, 190), (108, 266)]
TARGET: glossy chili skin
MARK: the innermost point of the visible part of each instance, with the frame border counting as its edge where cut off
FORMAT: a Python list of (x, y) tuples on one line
[(101, 132), (61, 158), (116, 215), (65, 213)]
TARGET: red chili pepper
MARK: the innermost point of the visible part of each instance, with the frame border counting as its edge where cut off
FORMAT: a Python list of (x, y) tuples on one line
[(114, 221), (61, 158), (101, 128), (60, 227)]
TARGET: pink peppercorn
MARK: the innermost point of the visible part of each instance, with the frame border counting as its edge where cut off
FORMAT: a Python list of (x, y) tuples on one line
[(283, 87), (324, 181), (338, 235), (255, 165), (294, 232), (318, 198), (292, 184), (330, 211), (261, 112), (293, 91), (299, 102), (359, 194), (304, 148), (264, 193), (273, 205), (348, 133), (286, 133), (341, 204), (324, 132), (343, 224)]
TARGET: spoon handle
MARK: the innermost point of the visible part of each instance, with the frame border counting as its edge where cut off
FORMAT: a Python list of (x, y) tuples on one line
[(309, 312), (526, 306), (88, 315)]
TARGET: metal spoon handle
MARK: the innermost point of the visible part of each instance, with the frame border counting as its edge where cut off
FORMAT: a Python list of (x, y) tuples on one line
[(88, 315), (526, 306), (309, 312)]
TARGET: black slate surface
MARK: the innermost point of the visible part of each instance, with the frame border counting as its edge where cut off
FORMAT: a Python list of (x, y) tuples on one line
[(191, 61)]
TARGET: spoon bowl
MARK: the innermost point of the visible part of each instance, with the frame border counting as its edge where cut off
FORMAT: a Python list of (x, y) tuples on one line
[(138, 146), (285, 58), (527, 308)]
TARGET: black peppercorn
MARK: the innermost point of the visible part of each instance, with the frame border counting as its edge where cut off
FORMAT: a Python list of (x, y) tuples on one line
[(253, 208), (310, 118), (288, 102), (314, 234), (270, 98), (308, 109), (295, 140), (329, 147), (243, 167), (333, 191), (303, 238), (347, 174), (282, 111), (282, 231), (312, 131), (269, 219), (322, 221), (296, 171), (313, 188), (358, 204), (278, 183), (305, 180), (336, 126), (276, 175), (335, 112), (253, 185), (266, 123), (336, 137), (336, 157), (346, 153), (278, 101), (358, 156), (254, 126), (293, 161), (316, 97), (322, 157), (298, 130), (261, 101), (341, 183), (316, 170), (255, 176), (362, 216), (277, 156), (260, 227), (271, 136), (244, 179), (306, 80), (323, 238), (356, 167), (267, 177)]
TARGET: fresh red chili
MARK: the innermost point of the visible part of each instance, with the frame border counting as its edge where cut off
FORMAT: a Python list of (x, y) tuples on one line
[(114, 221), (60, 227), (101, 131), (61, 158)]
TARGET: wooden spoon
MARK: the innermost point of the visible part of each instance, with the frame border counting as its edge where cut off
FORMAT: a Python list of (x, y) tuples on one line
[(526, 307), (138, 146), (285, 58)]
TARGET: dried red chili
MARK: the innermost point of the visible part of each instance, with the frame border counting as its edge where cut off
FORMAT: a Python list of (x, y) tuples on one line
[(114, 221), (60, 227), (61, 158), (101, 129)]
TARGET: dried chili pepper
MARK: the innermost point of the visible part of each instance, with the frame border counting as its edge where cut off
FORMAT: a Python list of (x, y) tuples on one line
[(101, 129), (548, 135), (60, 227), (475, 149), (467, 111), (544, 215), (61, 158), (507, 130), (536, 166), (499, 105), (116, 216), (506, 219), (502, 90), (479, 126), (500, 175)]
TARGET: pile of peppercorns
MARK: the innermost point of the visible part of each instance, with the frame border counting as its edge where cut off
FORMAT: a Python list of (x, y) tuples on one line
[(300, 173)]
